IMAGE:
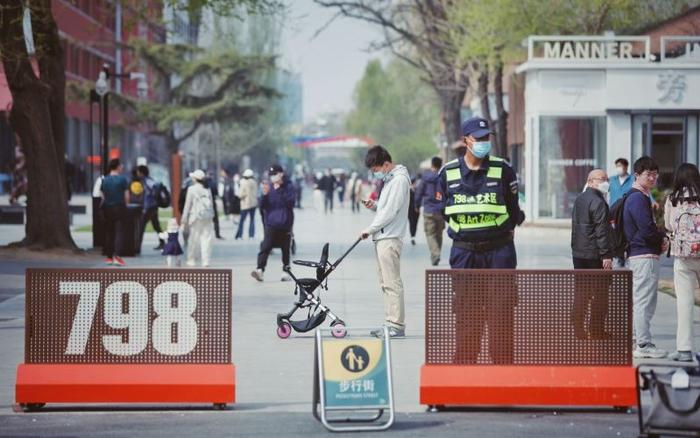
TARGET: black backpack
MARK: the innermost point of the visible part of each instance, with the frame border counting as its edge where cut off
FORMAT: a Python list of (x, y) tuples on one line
[(617, 235), (162, 196)]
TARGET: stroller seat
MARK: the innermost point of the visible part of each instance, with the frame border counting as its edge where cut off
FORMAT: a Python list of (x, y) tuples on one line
[(320, 266), (308, 283)]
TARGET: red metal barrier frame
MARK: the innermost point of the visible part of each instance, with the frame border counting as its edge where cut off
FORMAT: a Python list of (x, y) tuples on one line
[(519, 385), (133, 383)]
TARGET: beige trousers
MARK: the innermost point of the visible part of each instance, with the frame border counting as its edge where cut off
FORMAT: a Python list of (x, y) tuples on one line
[(389, 268), (686, 274), (434, 225), (200, 241)]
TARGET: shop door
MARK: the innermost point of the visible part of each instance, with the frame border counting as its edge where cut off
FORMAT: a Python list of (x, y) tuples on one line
[(662, 138)]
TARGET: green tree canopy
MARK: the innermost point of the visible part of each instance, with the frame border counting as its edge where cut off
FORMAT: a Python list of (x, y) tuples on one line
[(396, 109)]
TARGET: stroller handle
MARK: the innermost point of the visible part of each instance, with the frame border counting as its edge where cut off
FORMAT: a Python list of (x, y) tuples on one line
[(337, 262)]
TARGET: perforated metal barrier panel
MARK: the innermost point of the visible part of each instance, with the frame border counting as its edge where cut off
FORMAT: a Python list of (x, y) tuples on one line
[(528, 317), (114, 316)]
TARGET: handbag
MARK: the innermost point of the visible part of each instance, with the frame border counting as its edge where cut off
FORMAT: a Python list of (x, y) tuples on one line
[(672, 408)]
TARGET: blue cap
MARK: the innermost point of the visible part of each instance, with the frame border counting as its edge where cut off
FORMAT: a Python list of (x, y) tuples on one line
[(477, 127)]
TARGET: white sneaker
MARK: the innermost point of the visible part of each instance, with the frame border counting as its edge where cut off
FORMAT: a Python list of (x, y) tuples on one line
[(649, 351), (393, 332), (286, 277), (257, 274), (681, 356)]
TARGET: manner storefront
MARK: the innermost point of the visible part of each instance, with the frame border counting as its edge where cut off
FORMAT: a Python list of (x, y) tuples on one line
[(590, 100)]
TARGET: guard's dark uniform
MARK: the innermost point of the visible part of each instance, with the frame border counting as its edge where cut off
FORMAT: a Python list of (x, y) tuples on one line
[(481, 209)]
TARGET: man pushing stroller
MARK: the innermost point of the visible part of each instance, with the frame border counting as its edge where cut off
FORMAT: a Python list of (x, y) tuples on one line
[(387, 231)]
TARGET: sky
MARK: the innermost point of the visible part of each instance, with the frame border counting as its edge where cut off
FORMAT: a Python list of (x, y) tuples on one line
[(331, 63)]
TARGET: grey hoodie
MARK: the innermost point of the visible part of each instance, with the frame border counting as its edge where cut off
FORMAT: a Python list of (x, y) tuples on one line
[(391, 219)]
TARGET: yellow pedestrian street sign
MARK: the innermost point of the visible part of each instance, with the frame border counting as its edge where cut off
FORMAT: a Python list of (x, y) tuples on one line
[(353, 374)]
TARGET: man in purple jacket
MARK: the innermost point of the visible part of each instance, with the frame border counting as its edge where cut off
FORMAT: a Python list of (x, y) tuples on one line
[(277, 205), (429, 196), (646, 243)]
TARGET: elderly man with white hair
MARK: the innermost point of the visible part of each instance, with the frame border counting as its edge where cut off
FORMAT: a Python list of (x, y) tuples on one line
[(591, 248)]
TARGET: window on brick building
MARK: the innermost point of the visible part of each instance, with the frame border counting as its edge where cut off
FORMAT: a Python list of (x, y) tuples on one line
[(75, 59), (85, 64)]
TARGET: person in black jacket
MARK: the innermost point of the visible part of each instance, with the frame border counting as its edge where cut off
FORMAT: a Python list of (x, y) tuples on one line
[(591, 248), (277, 202)]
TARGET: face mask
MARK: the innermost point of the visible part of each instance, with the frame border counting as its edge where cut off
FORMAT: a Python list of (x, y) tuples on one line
[(274, 179), (480, 149), (621, 171), (604, 187), (379, 175)]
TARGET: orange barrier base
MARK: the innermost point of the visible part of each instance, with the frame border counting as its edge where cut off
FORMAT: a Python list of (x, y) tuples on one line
[(142, 383), (514, 385)]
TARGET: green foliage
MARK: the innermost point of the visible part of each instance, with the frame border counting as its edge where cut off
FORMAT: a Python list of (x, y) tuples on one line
[(395, 108), (220, 86), (226, 7), (257, 35)]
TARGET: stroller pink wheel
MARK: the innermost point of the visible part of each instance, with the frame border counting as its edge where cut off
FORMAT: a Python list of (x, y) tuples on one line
[(284, 330), (338, 330)]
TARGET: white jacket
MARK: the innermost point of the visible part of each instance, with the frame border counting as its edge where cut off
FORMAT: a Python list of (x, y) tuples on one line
[(199, 205), (391, 220)]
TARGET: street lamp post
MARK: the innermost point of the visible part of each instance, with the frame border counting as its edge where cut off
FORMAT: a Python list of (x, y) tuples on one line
[(100, 95), (102, 89)]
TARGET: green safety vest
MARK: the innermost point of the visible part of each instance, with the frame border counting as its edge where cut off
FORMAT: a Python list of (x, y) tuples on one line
[(469, 211)]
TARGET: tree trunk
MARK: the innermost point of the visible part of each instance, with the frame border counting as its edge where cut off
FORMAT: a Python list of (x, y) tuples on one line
[(451, 105), (175, 170), (483, 92), (37, 117), (502, 122)]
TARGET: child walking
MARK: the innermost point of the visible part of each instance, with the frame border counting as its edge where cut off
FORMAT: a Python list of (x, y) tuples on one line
[(172, 249)]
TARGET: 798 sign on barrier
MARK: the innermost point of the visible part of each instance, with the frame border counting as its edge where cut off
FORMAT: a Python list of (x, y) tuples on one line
[(102, 335)]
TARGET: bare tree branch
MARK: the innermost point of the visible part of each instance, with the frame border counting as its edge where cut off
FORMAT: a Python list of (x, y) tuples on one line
[(189, 133), (419, 33)]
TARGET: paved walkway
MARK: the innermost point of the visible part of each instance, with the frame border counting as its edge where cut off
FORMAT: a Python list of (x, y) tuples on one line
[(274, 376)]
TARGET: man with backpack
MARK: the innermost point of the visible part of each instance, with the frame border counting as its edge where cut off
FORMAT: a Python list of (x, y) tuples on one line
[(644, 243), (429, 197), (155, 196)]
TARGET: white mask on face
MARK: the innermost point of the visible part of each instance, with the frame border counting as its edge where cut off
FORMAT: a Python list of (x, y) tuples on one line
[(604, 187), (274, 179), (621, 171)]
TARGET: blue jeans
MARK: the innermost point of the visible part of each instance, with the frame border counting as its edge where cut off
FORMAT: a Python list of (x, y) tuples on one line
[(251, 229)]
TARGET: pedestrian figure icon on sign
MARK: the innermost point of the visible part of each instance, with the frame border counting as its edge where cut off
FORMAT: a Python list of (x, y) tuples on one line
[(354, 358)]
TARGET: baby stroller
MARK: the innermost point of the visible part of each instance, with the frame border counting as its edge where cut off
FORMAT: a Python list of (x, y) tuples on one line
[(305, 288)]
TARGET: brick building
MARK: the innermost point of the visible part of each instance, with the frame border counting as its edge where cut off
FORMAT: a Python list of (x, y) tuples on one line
[(91, 33)]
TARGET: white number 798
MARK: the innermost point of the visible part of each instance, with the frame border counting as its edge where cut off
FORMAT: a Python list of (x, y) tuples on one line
[(135, 319)]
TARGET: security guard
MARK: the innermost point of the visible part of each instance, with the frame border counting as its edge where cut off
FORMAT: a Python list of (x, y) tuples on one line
[(480, 199)]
